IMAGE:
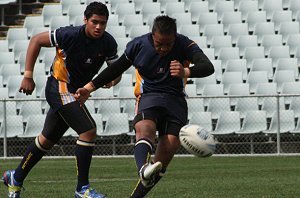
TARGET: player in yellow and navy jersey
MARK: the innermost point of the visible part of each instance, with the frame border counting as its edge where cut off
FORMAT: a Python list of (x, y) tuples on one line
[(161, 59), (80, 53)]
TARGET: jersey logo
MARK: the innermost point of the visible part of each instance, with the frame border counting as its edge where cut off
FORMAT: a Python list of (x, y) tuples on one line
[(89, 61), (161, 70)]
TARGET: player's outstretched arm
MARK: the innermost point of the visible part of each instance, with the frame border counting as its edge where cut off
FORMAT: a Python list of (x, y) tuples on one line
[(107, 75), (202, 66), (40, 40)]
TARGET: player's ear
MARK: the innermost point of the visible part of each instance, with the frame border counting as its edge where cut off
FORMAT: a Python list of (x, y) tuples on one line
[(85, 20)]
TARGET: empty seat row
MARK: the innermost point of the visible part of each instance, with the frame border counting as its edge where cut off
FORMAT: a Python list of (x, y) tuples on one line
[(230, 122), (16, 126)]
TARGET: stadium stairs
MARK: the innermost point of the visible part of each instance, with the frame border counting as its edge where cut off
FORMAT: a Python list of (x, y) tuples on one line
[(15, 13)]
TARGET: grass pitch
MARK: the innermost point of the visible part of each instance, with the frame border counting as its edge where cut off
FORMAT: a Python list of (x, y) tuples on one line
[(189, 177)]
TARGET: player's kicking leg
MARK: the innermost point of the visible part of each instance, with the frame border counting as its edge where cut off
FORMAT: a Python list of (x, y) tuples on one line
[(167, 147)]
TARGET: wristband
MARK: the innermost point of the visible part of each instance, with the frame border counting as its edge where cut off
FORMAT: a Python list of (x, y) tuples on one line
[(90, 87), (187, 72), (28, 74)]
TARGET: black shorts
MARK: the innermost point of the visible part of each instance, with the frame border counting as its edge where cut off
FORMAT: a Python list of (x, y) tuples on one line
[(64, 112), (167, 111)]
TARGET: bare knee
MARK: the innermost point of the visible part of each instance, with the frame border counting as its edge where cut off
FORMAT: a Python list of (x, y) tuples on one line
[(44, 142), (88, 136), (145, 129)]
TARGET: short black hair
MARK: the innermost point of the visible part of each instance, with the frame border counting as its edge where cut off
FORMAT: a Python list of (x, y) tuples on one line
[(97, 8), (164, 25)]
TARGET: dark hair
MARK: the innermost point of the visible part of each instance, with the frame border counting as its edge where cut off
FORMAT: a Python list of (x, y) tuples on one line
[(164, 25), (97, 8)]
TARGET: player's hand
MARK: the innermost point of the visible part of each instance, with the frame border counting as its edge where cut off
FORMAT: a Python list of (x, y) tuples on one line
[(27, 86), (81, 95), (176, 69)]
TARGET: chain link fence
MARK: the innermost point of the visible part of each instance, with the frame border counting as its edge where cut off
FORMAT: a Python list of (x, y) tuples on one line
[(255, 124)]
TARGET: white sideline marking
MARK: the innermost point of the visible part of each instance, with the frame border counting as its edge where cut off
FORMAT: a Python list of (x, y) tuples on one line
[(92, 180)]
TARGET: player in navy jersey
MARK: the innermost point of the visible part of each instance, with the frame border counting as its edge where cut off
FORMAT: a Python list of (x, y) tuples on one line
[(80, 53), (161, 59)]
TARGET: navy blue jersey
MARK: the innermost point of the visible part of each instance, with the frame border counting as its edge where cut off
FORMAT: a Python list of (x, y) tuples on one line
[(79, 58), (153, 70)]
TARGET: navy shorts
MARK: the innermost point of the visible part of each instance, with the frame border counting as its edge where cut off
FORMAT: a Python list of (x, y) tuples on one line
[(167, 111), (64, 112)]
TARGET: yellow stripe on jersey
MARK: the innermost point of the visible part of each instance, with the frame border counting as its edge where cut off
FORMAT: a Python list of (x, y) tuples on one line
[(65, 96), (138, 84), (59, 69)]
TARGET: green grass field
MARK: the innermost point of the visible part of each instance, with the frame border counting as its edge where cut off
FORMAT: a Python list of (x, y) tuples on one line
[(189, 177)]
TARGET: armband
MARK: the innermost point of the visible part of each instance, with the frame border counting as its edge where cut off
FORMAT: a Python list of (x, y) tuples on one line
[(28, 74)]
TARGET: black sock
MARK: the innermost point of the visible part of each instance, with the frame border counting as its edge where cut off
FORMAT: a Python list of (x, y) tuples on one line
[(141, 191), (31, 157), (142, 152), (83, 154)]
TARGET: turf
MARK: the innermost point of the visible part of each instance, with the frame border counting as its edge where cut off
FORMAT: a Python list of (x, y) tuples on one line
[(190, 177)]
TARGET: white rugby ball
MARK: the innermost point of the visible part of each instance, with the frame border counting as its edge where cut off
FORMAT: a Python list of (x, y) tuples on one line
[(196, 140)]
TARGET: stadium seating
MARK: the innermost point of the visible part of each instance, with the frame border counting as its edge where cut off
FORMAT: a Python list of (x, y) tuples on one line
[(254, 122), (195, 105), (235, 30), (270, 105), (253, 45), (4, 46), (256, 77), (13, 126), (290, 88), (190, 30), (238, 89), (139, 4), (293, 41), (151, 8), (122, 9), (222, 7), (218, 105), (14, 34), (231, 77), (196, 8), (207, 18), (244, 41), (237, 65), (182, 18), (265, 89), (287, 28), (228, 123), (108, 107), (131, 20), (201, 82), (19, 46), (59, 21), (243, 105), (51, 10), (31, 22), (246, 6), (174, 7), (190, 89), (34, 125), (280, 16), (212, 90), (66, 4), (286, 121), (202, 118), (262, 64), (270, 6), (8, 70)]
